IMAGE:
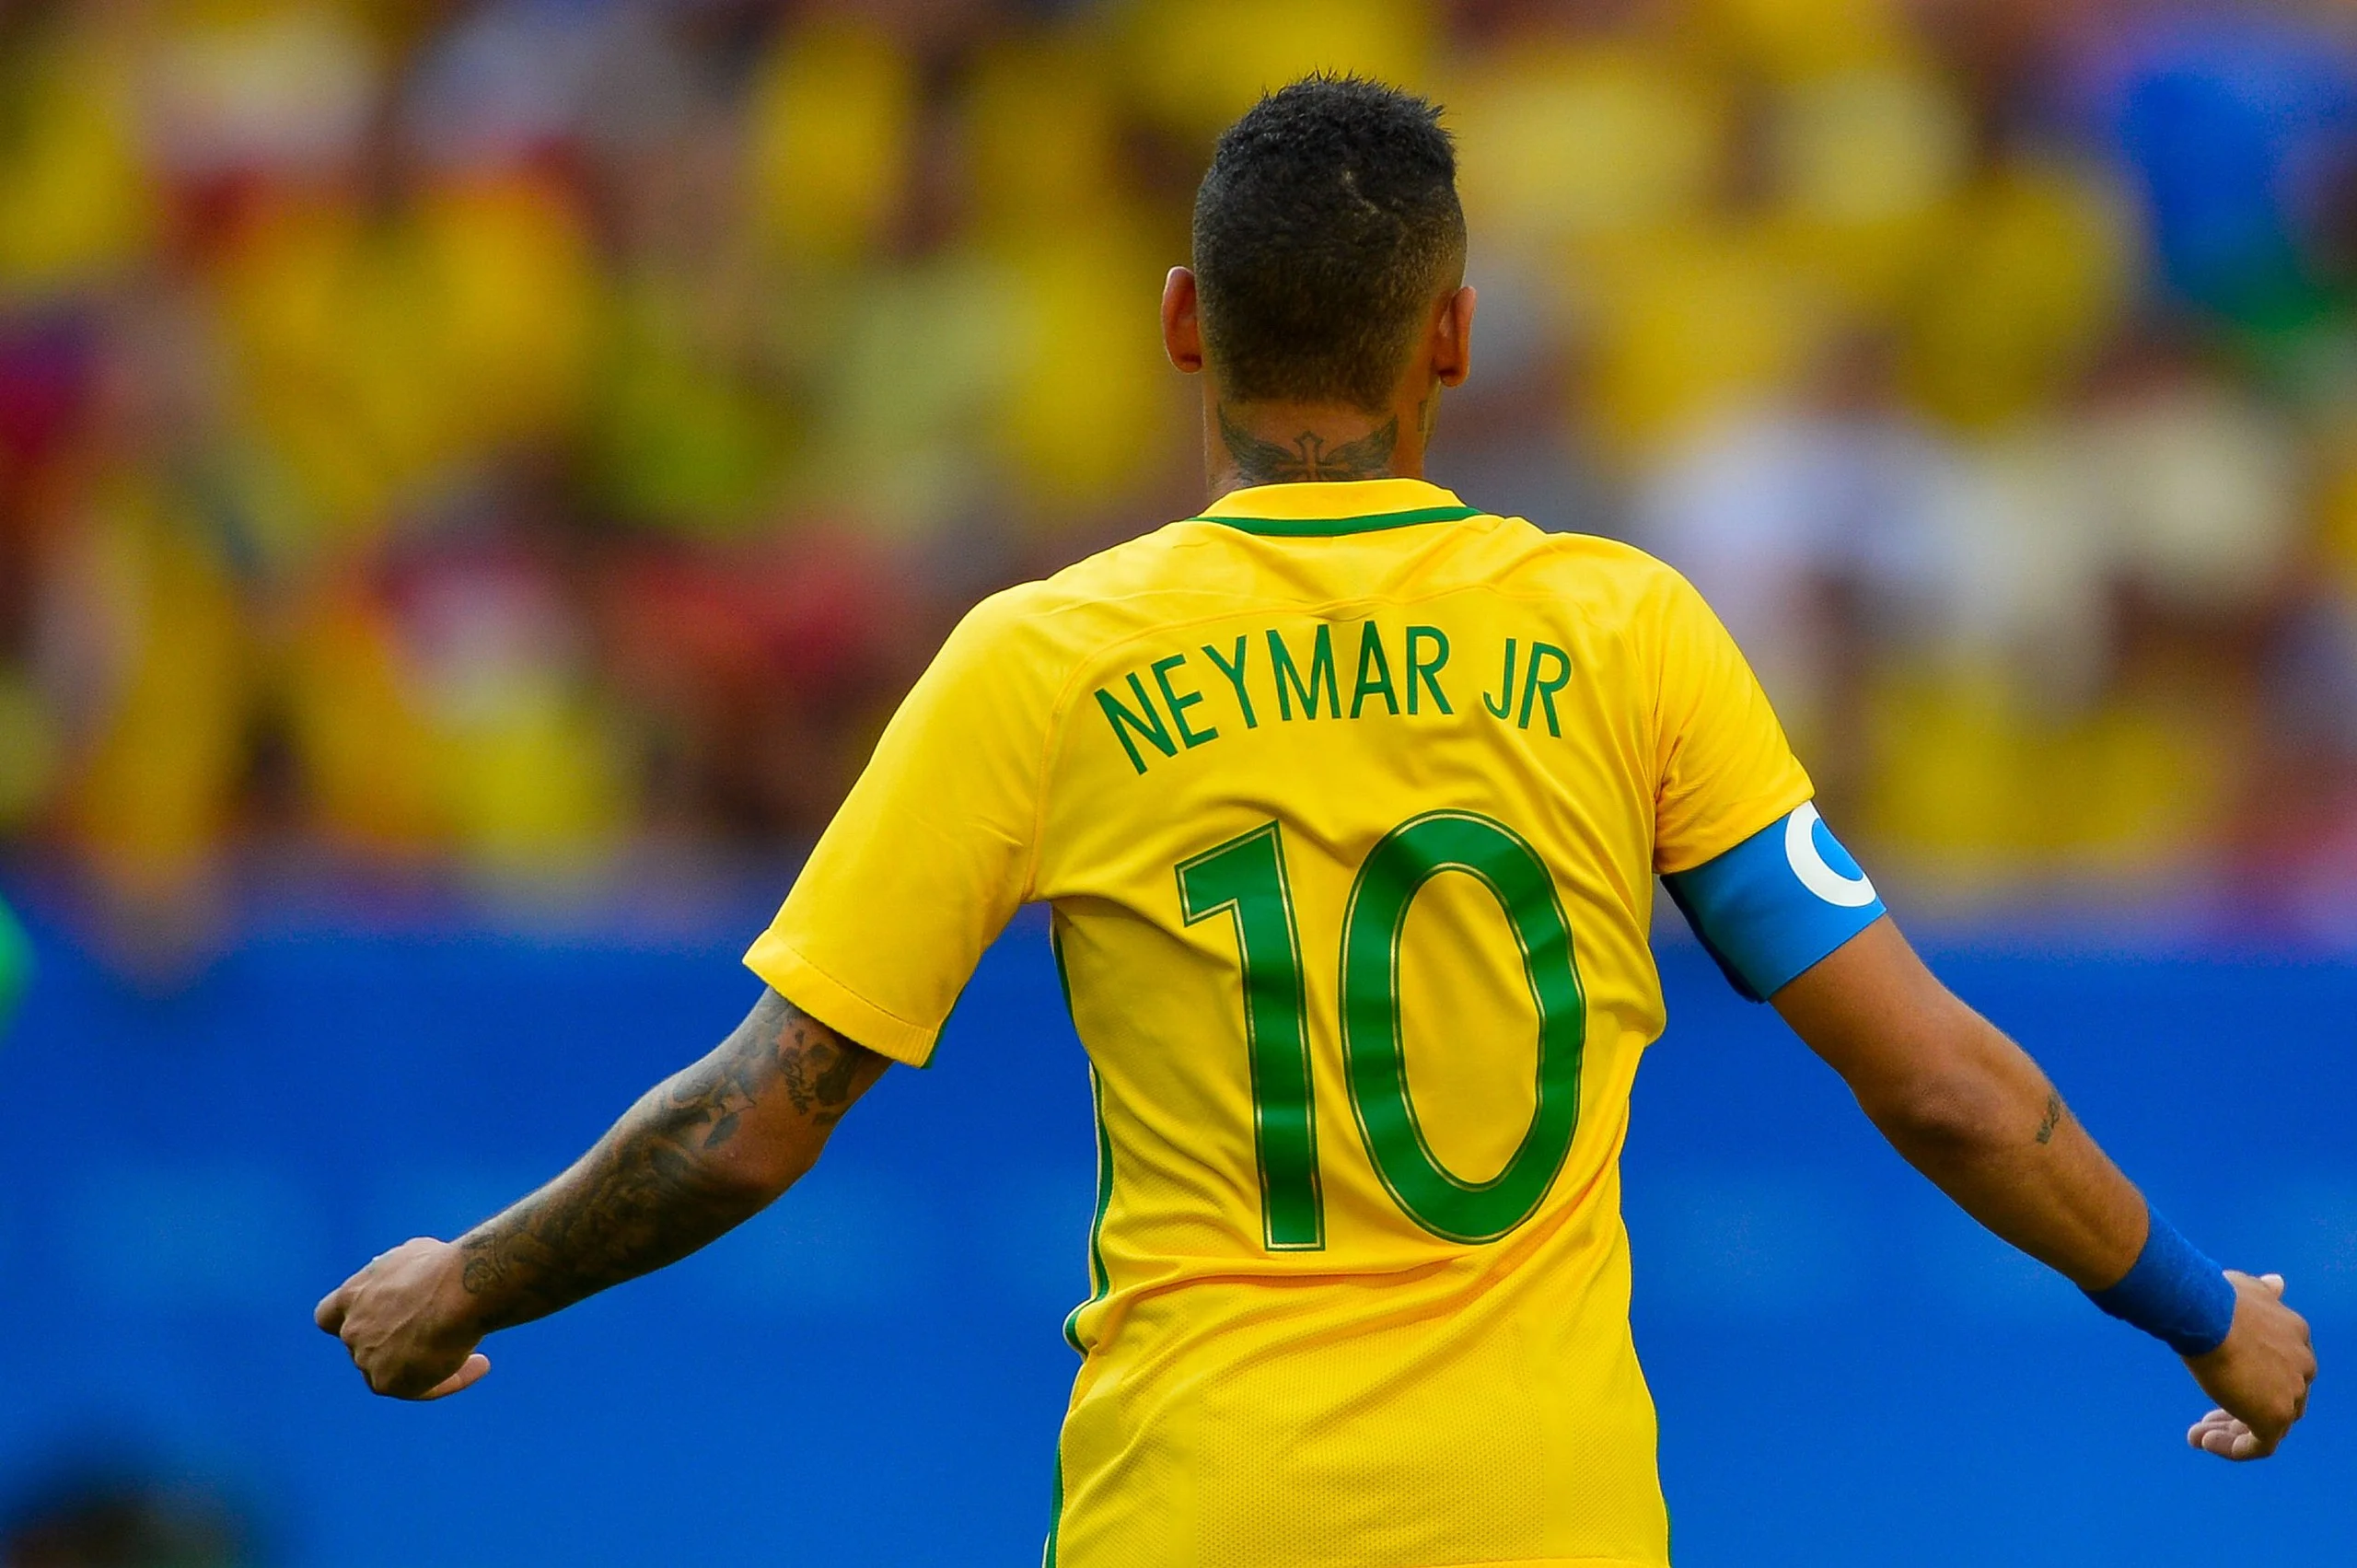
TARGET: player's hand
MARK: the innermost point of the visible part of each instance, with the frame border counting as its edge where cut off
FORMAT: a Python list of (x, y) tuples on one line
[(2260, 1376), (403, 1318)]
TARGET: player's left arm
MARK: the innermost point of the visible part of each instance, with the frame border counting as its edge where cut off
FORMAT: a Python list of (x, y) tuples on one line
[(1791, 921), (701, 1153), (1970, 1110), (1966, 1105), (1794, 919)]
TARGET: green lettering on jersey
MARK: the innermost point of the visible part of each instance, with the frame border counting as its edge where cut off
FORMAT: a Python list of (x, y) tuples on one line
[(1371, 656), (1321, 669), (1375, 1063), (1427, 670), (1181, 701), (1245, 879), (1234, 673), (1502, 703), (1150, 728), (1544, 687)]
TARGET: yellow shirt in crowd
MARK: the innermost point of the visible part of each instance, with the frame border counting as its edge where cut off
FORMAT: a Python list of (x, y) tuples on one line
[(1348, 800)]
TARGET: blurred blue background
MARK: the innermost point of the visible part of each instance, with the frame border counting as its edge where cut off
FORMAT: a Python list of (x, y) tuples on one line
[(1848, 1371)]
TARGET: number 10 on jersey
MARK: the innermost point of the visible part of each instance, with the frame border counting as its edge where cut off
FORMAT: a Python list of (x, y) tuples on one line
[(1245, 879)]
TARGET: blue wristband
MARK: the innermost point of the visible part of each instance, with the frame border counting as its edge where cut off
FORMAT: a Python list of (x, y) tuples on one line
[(2174, 1293)]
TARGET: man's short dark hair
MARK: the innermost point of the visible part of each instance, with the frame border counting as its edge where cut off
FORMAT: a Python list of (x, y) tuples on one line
[(1328, 224)]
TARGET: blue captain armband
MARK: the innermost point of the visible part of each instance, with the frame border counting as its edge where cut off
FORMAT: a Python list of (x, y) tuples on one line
[(1777, 902)]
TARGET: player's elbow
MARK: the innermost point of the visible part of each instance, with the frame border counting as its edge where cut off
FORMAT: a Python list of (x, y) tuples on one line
[(761, 1168), (1941, 1112)]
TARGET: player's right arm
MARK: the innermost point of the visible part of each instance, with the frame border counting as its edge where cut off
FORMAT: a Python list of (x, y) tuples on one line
[(701, 1153), (1968, 1108), (914, 877)]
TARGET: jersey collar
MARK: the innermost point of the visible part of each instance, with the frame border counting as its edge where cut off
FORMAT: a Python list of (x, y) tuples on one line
[(1323, 508)]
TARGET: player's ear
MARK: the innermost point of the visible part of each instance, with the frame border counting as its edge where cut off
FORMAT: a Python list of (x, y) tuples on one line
[(1453, 337), (1182, 324)]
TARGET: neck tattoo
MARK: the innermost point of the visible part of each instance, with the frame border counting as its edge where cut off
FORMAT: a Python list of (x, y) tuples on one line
[(1308, 458)]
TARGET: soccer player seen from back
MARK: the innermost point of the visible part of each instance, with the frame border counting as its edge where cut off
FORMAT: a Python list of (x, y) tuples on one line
[(1348, 799)]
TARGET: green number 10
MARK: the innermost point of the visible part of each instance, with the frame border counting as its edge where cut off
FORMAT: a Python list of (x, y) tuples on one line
[(1245, 878)]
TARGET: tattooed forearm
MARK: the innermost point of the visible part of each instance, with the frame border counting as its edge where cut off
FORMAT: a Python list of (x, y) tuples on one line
[(1308, 457), (697, 1156), (2052, 1119)]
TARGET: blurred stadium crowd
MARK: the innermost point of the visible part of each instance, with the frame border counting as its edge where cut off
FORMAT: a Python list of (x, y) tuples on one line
[(538, 436)]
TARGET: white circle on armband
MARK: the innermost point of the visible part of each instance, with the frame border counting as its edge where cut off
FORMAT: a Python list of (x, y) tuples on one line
[(1808, 864)]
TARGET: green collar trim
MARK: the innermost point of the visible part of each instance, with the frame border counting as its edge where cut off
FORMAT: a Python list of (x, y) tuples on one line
[(1328, 528)]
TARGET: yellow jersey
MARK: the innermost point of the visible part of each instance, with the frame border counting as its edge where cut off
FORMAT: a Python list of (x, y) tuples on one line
[(1348, 800)]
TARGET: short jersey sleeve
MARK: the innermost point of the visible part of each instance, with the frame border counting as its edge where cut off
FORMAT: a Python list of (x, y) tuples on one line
[(929, 856), (1723, 768)]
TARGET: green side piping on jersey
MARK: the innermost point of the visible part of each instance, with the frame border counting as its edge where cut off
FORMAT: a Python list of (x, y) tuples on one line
[(1328, 528), (1100, 1283), (1056, 1510), (16, 965)]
